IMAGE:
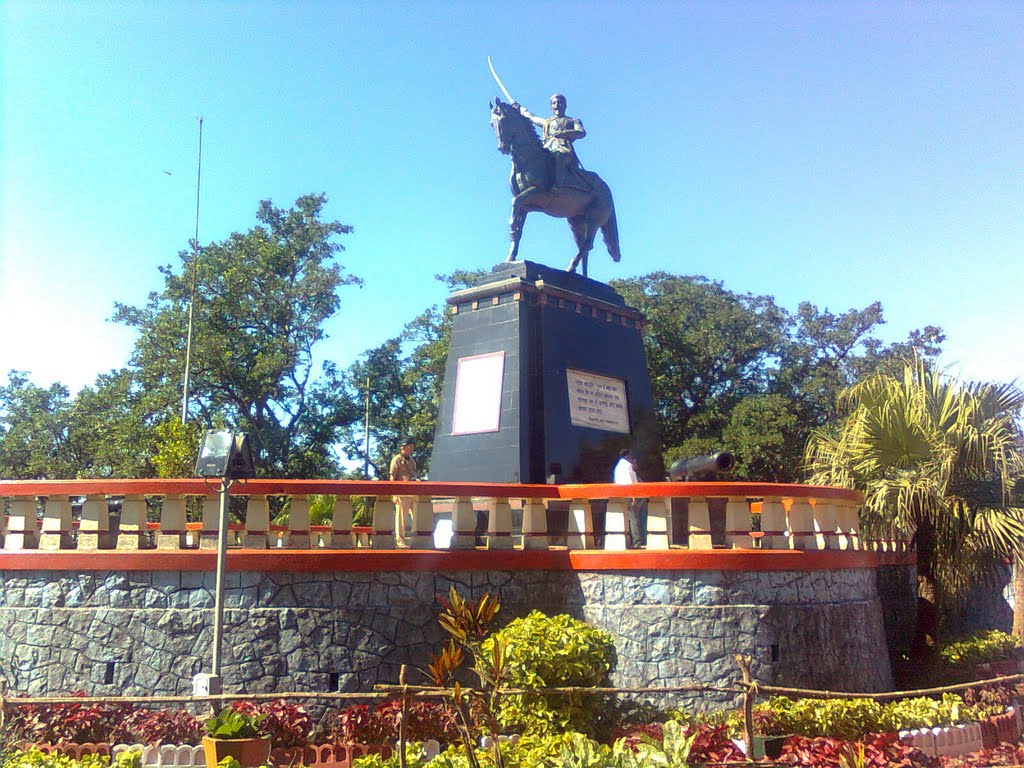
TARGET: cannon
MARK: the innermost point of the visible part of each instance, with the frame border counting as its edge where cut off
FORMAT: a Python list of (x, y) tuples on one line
[(702, 468)]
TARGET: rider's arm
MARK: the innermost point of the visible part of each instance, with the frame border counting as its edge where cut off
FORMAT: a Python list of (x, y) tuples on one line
[(571, 134), (531, 117)]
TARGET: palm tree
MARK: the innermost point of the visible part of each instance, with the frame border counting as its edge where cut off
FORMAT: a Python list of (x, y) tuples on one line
[(937, 460)]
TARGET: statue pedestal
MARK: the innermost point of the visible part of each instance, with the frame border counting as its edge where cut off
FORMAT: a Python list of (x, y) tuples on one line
[(546, 381)]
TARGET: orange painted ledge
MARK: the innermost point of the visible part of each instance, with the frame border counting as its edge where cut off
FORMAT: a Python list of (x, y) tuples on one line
[(273, 487), (380, 560)]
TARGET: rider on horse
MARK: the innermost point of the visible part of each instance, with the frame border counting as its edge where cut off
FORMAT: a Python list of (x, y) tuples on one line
[(560, 131)]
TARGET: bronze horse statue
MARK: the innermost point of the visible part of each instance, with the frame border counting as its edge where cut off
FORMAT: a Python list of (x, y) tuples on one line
[(584, 199)]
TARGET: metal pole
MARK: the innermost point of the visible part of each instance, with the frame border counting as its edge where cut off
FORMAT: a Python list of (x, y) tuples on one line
[(192, 296), (222, 556), (366, 434)]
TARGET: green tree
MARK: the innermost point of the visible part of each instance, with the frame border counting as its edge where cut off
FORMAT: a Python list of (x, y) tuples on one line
[(33, 430), (737, 371), (405, 376), (261, 300), (938, 461)]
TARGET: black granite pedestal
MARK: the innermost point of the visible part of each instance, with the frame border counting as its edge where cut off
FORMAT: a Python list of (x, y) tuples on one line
[(546, 380)]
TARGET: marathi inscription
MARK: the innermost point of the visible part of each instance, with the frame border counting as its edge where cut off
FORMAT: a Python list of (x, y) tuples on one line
[(598, 402)]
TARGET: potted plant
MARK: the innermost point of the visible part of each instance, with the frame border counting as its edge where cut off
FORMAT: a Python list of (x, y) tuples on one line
[(231, 733)]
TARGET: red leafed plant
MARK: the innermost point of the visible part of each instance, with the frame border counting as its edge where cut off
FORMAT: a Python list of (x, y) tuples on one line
[(711, 744), (877, 750), (287, 724), (1004, 754), (65, 723), (158, 726), (360, 724)]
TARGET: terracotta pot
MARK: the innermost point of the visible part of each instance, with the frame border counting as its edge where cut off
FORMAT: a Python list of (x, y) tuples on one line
[(250, 753)]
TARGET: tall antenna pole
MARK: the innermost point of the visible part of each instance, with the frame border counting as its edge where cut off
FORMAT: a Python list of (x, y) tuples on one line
[(192, 295), (366, 433)]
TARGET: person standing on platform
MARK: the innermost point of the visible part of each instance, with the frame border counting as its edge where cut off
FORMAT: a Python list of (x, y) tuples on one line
[(636, 512), (403, 467)]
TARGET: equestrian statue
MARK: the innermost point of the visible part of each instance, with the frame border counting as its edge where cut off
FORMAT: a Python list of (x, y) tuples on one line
[(547, 176)]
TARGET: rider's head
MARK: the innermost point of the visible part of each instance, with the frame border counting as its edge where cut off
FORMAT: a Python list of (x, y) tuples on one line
[(558, 104)]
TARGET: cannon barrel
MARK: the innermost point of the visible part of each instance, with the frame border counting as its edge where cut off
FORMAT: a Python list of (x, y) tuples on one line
[(699, 468)]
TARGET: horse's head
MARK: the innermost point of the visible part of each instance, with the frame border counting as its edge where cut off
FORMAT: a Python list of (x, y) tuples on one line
[(510, 127)]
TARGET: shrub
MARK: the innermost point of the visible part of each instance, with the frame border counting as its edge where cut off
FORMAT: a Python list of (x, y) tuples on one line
[(361, 724), (287, 724), (34, 758), (982, 648), (153, 726), (544, 652), (65, 723), (877, 750)]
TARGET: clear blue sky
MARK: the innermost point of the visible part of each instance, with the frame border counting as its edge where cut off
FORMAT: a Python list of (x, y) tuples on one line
[(832, 152)]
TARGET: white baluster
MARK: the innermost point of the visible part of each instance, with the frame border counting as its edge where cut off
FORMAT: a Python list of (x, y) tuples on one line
[(341, 524), (535, 525), (700, 524), (133, 528), (615, 525), (20, 530), (848, 523), (499, 525), (801, 525), (825, 524), (172, 523), (257, 523), (298, 523), (210, 522), (581, 525), (659, 524), (383, 523), (737, 523), (463, 524), (773, 524), (422, 523), (56, 531), (94, 527)]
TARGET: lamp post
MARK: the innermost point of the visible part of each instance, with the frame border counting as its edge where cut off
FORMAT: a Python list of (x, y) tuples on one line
[(226, 456)]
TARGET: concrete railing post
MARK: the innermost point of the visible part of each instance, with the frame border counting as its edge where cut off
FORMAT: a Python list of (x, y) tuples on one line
[(615, 525), (659, 524), (825, 524), (341, 524), (94, 527), (801, 525), (173, 530), (210, 522), (298, 536), (463, 524), (499, 524), (535, 525), (423, 523), (20, 530), (773, 524), (581, 525), (700, 524), (737, 523), (56, 531), (132, 531), (383, 523), (257, 523)]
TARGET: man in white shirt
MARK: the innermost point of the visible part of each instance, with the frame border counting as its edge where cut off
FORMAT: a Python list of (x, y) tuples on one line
[(636, 512)]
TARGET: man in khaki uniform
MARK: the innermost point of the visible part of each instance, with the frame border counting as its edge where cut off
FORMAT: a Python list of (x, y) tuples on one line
[(403, 467)]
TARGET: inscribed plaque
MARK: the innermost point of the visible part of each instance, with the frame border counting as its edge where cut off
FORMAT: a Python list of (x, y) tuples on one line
[(478, 394), (598, 402)]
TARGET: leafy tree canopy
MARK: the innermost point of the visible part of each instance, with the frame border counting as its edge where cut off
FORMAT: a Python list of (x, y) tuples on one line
[(261, 300)]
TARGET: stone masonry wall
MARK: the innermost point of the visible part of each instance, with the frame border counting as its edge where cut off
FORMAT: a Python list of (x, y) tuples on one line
[(150, 632)]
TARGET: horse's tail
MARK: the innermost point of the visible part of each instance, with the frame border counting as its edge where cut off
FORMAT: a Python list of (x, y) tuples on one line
[(610, 233)]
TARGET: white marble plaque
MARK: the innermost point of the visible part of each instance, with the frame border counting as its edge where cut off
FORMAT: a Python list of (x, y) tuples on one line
[(598, 402), (478, 394)]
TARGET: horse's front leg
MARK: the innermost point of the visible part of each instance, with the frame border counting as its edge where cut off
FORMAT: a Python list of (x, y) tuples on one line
[(515, 230)]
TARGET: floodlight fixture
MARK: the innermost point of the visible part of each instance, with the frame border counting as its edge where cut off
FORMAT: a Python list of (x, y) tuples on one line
[(225, 454)]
